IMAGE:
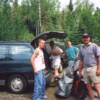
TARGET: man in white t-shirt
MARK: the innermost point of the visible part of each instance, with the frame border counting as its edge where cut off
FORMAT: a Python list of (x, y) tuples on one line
[(56, 58), (38, 65)]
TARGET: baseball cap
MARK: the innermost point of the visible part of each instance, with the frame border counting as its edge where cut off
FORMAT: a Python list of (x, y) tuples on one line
[(85, 35)]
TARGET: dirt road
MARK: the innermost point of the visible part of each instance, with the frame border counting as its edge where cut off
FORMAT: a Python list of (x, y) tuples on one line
[(6, 95)]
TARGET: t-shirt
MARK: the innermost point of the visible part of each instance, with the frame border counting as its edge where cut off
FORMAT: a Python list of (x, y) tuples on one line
[(71, 53), (88, 54), (57, 50), (39, 62)]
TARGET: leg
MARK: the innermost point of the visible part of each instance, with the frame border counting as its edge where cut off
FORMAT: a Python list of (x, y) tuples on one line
[(90, 91), (71, 66), (37, 87), (56, 72), (44, 84), (97, 86), (96, 80), (77, 86), (44, 96), (87, 80)]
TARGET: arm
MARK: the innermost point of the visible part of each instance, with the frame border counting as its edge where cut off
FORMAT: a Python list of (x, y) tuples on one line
[(97, 55), (35, 54), (98, 66), (57, 51), (81, 66), (77, 53), (81, 63)]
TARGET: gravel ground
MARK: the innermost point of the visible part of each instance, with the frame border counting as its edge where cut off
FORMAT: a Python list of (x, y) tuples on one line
[(6, 95)]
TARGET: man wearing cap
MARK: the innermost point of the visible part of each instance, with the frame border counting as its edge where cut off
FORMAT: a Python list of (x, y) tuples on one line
[(90, 61)]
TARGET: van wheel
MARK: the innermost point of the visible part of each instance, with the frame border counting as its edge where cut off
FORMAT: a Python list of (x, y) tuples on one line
[(17, 83)]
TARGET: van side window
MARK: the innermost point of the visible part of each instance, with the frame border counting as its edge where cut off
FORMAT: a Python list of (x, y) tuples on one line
[(3, 52), (20, 52)]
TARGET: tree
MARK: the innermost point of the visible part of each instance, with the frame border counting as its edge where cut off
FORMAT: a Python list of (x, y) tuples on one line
[(21, 21), (79, 20)]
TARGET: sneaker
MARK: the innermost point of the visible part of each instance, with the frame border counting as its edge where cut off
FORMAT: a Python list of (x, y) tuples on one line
[(45, 97)]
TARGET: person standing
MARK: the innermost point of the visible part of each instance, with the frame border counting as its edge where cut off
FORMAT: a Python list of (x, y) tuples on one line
[(90, 61), (72, 54), (56, 53), (38, 65)]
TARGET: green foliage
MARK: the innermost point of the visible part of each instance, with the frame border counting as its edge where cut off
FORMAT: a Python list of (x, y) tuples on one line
[(84, 18), (21, 21)]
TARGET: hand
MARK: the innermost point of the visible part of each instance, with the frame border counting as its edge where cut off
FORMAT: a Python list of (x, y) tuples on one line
[(77, 58), (80, 74), (35, 71), (98, 72)]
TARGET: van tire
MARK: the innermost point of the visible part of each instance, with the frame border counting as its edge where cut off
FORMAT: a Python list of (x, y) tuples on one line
[(17, 83)]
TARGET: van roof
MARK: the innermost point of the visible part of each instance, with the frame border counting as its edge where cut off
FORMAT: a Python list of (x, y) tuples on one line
[(14, 42)]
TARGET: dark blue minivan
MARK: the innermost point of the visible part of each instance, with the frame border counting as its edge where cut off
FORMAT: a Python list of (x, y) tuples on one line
[(15, 65)]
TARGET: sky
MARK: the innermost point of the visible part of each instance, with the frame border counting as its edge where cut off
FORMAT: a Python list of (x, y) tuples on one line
[(63, 3), (66, 2)]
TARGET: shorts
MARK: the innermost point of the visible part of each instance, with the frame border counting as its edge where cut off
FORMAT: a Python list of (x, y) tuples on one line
[(56, 66), (56, 63), (90, 75)]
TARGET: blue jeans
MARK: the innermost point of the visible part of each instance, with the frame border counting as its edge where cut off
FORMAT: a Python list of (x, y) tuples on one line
[(71, 65), (39, 85)]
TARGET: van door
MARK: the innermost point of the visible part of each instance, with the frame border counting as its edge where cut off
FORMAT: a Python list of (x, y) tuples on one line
[(20, 56)]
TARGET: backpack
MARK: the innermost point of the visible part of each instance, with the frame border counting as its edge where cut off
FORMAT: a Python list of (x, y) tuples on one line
[(79, 90)]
